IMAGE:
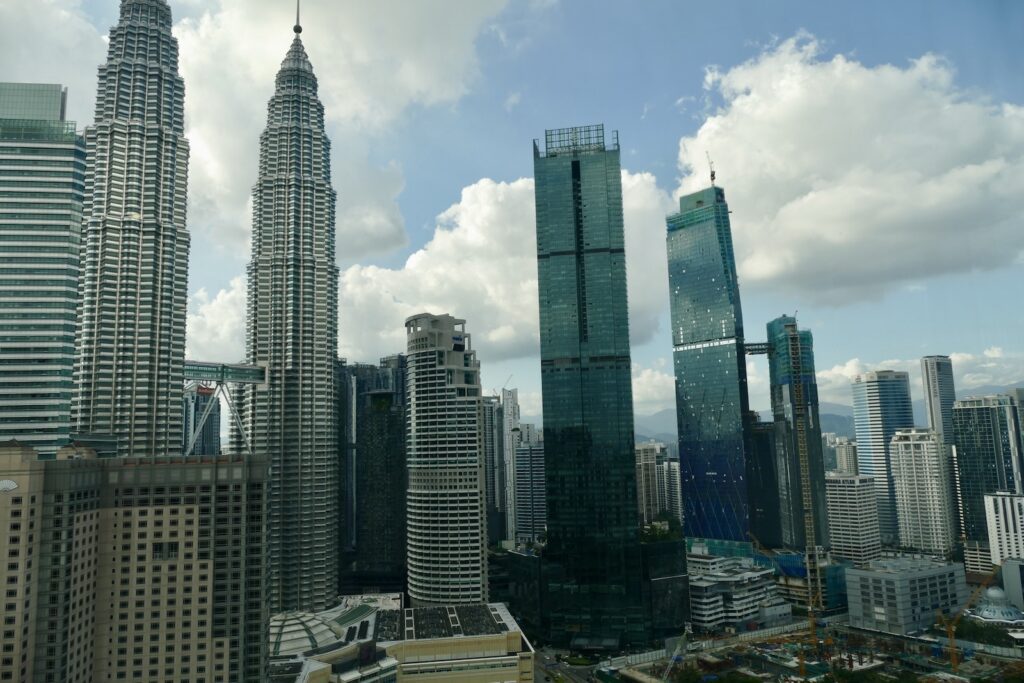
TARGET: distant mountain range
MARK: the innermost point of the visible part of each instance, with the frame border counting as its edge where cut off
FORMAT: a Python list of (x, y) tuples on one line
[(835, 417)]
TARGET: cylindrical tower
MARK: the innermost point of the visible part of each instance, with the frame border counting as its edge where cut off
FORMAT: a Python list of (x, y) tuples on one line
[(445, 518)]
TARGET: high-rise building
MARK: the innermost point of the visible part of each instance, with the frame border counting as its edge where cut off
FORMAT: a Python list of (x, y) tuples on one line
[(881, 407), (445, 506), (939, 395), (136, 569), (292, 330), (195, 401), (593, 573), (853, 518), (42, 178), (1004, 517), (922, 471), (846, 456), (671, 488), (650, 497), (987, 458), (531, 501), (374, 477), (133, 288), (794, 395), (710, 367), (494, 466), (510, 439)]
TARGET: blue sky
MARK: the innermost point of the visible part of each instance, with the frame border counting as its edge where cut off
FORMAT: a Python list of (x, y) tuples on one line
[(873, 156)]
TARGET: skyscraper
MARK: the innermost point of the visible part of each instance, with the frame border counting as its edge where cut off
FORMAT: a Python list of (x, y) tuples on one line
[(292, 330), (131, 318), (794, 395), (650, 497), (592, 562), (881, 407), (922, 470), (989, 457), (939, 395), (710, 367), (194, 403), (42, 177), (846, 456), (445, 506), (531, 500), (494, 466), (510, 438), (374, 477)]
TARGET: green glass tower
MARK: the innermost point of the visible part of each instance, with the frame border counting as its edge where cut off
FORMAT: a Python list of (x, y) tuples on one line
[(592, 568), (42, 181)]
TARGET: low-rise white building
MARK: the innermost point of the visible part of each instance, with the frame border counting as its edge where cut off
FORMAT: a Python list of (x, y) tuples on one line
[(732, 593), (902, 595)]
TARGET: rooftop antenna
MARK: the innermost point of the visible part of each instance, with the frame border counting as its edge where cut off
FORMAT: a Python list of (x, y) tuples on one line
[(298, 24), (711, 166)]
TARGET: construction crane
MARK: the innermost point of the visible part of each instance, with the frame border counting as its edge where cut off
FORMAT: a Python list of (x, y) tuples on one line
[(812, 624), (950, 623), (677, 657)]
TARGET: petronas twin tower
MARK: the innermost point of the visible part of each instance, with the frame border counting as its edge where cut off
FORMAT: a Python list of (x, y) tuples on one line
[(130, 355), (293, 332)]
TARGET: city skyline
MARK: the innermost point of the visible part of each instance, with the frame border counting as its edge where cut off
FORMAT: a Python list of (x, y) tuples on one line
[(496, 71)]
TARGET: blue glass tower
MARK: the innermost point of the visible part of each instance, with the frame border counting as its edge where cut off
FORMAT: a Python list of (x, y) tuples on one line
[(710, 368), (881, 407), (592, 563), (801, 468)]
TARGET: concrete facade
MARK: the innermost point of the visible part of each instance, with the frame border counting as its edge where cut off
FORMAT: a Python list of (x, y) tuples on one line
[(902, 595)]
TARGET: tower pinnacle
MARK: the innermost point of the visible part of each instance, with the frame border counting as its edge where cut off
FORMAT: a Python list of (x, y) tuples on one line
[(298, 24)]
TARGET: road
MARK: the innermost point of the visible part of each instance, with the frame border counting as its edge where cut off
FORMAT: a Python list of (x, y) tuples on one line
[(549, 666)]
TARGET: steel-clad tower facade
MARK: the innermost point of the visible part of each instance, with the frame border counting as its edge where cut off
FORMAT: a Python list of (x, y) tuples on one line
[(131, 318), (292, 330)]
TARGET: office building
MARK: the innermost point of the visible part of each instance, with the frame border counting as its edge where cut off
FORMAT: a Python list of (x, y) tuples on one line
[(902, 595), (650, 496), (794, 395), (592, 562), (710, 367), (1004, 516), (135, 569), (846, 456), (292, 330), (531, 501), (133, 287), (922, 470), (494, 466), (373, 639), (374, 476), (733, 594), (510, 439), (881, 407), (853, 518), (939, 395), (987, 437), (42, 181), (670, 488), (445, 506), (198, 401)]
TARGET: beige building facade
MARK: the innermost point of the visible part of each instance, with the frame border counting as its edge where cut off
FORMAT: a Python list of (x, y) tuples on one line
[(131, 569)]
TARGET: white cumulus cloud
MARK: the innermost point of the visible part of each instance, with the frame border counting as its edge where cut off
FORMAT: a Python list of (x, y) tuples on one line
[(215, 328), (372, 60), (846, 179), (481, 265)]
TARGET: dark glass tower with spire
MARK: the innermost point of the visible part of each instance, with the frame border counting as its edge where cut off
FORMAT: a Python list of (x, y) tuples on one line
[(131, 318), (292, 330), (710, 367), (593, 574)]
